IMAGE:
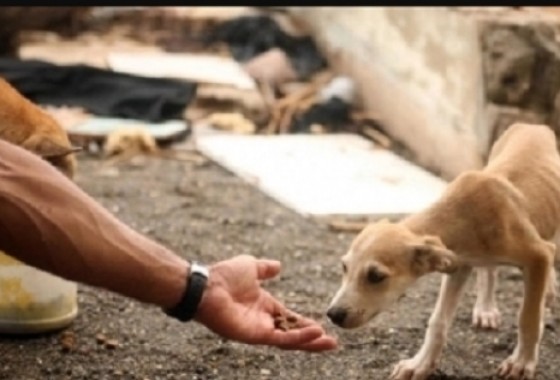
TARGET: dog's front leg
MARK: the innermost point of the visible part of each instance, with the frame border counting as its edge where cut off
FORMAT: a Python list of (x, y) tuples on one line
[(485, 312), (521, 364), (425, 361)]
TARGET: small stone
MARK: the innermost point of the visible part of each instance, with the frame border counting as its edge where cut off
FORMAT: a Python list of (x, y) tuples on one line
[(265, 372), (111, 344), (68, 341), (100, 339)]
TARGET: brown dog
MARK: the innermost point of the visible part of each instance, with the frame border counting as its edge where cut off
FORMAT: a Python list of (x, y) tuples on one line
[(506, 214), (25, 124)]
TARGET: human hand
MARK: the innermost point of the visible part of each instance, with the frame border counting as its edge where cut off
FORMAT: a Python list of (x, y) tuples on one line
[(235, 307)]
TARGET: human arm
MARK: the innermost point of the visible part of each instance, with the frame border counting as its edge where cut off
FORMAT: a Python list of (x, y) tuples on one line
[(49, 222)]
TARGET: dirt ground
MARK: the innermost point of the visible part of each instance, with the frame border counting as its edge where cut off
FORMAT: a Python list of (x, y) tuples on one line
[(207, 214)]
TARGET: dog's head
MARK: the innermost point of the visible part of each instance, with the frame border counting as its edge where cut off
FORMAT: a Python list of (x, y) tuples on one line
[(383, 261), (55, 149)]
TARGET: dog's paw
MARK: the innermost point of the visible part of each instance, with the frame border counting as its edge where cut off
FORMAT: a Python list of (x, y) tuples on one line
[(488, 317), (517, 368), (413, 369)]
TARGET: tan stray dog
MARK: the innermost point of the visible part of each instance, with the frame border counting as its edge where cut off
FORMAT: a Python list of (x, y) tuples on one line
[(506, 214), (24, 123)]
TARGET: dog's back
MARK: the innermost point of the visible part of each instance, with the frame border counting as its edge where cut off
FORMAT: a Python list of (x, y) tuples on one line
[(24, 123), (526, 155)]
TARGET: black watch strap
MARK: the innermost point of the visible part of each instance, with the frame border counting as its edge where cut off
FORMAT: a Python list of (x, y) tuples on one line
[(188, 305)]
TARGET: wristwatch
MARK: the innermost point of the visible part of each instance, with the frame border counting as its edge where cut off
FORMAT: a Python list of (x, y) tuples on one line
[(197, 278)]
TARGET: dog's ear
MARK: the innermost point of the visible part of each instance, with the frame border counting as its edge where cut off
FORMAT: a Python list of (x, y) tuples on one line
[(48, 148), (430, 255)]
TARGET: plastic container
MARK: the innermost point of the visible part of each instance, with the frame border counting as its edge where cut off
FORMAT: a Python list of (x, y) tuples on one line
[(33, 301)]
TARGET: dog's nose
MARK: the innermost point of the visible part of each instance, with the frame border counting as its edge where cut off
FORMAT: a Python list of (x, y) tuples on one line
[(337, 315)]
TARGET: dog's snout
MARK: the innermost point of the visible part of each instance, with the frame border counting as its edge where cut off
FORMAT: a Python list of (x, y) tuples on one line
[(337, 315)]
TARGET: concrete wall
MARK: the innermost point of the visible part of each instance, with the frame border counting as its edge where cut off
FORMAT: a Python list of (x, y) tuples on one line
[(418, 70)]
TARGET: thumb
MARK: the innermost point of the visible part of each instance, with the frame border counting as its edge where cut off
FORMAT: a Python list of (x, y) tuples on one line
[(267, 268)]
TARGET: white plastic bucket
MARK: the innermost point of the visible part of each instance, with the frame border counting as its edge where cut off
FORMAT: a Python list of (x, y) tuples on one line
[(33, 301)]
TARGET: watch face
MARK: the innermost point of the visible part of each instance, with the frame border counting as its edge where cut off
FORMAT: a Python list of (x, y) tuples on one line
[(200, 269)]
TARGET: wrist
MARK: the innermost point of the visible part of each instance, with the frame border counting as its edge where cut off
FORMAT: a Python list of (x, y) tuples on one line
[(196, 282), (205, 306), (178, 282)]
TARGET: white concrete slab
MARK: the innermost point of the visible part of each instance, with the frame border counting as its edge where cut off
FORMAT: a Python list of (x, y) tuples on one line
[(203, 68), (324, 175)]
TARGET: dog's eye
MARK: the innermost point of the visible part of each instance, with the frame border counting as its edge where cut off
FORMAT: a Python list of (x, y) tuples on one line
[(375, 277)]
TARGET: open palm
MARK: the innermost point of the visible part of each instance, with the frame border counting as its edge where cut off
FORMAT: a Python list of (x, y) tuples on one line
[(236, 307)]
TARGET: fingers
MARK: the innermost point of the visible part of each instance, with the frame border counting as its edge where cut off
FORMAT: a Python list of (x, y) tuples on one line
[(293, 338), (267, 268), (308, 335), (323, 343), (277, 308), (310, 338)]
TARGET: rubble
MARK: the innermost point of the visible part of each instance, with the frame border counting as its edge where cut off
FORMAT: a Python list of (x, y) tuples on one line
[(341, 87), (233, 122), (521, 58), (129, 140), (249, 36), (218, 98), (333, 115), (265, 87), (272, 67), (275, 83), (14, 20), (492, 57)]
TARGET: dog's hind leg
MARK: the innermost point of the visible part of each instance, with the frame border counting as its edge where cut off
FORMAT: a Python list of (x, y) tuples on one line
[(522, 362), (485, 313), (551, 290)]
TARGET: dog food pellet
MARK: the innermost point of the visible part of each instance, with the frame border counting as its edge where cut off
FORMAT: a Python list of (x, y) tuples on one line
[(285, 323), (68, 341), (291, 319)]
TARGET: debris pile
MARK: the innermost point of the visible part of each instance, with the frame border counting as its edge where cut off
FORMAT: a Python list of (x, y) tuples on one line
[(244, 70), (248, 37), (14, 20)]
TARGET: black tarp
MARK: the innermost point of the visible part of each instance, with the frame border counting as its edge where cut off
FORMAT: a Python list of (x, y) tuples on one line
[(101, 92)]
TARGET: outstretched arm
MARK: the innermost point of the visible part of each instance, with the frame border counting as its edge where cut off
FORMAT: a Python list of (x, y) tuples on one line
[(48, 222)]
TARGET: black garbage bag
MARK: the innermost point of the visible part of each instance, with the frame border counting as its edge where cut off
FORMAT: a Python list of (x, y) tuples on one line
[(249, 36), (101, 92), (333, 115)]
